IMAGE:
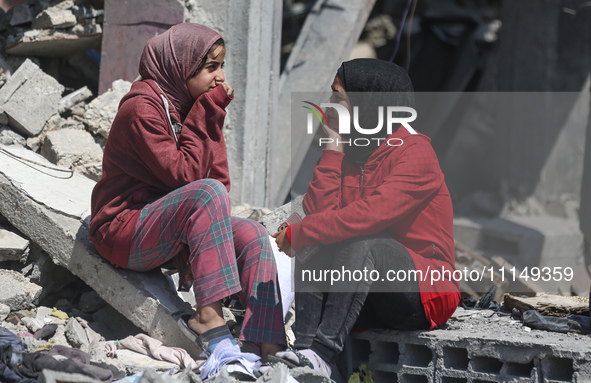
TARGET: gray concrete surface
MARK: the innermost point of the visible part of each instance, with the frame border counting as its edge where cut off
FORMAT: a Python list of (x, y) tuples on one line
[(473, 347), (50, 208), (13, 247), (16, 291), (74, 148), (29, 98)]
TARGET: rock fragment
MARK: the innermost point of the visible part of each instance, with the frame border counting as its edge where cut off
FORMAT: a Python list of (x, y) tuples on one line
[(101, 112), (13, 247), (58, 16), (16, 291), (18, 15), (74, 148), (10, 137), (29, 98)]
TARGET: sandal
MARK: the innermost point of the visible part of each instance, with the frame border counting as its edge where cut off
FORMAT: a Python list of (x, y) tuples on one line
[(302, 360)]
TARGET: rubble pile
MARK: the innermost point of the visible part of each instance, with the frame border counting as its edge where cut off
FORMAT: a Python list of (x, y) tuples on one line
[(48, 28)]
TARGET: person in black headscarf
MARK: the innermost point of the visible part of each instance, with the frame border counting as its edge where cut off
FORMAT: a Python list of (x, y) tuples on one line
[(379, 213)]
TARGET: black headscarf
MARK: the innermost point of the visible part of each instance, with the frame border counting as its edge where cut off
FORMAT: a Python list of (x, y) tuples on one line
[(363, 80)]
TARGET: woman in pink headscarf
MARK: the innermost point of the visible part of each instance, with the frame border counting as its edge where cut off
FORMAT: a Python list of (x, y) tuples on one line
[(163, 194)]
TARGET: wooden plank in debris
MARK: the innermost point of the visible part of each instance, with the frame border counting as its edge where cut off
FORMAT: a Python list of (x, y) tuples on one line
[(55, 46), (329, 33), (547, 304)]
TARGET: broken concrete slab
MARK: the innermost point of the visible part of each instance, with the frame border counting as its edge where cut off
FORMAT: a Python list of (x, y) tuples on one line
[(534, 241), (10, 137), (101, 112), (57, 208), (74, 148), (76, 335), (273, 220), (59, 16), (13, 247), (16, 291), (29, 98), (71, 99)]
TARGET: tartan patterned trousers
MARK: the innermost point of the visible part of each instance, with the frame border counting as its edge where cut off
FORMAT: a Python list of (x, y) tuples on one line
[(227, 255)]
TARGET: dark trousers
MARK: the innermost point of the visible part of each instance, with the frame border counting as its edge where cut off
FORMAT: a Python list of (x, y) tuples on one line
[(325, 313)]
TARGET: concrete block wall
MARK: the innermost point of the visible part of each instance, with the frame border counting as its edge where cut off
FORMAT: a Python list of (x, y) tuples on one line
[(442, 356)]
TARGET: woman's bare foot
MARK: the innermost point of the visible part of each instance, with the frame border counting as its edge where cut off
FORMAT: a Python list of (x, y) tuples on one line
[(207, 317)]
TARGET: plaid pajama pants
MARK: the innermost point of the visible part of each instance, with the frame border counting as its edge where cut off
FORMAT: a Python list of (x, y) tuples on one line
[(227, 255)]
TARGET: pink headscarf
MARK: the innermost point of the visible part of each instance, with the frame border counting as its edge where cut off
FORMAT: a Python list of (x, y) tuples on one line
[(172, 58)]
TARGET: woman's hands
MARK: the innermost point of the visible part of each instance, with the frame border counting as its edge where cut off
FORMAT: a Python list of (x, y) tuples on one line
[(228, 89), (332, 133), (282, 242)]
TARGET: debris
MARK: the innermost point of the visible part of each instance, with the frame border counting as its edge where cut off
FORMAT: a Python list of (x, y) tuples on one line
[(547, 304), (76, 335), (13, 247), (4, 311), (10, 137), (59, 314), (58, 16), (101, 112), (16, 291), (29, 98), (68, 101), (74, 148)]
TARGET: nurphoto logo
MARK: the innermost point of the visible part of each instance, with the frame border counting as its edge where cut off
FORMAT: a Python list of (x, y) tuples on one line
[(393, 118)]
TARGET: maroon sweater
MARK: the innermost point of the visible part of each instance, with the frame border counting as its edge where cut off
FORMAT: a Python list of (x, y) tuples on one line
[(400, 191), (142, 163)]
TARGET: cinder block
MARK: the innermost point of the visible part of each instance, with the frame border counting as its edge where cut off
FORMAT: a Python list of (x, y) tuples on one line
[(525, 242)]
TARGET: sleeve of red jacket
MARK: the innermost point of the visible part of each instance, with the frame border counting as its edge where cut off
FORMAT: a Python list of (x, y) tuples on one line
[(324, 192), (175, 167), (413, 180)]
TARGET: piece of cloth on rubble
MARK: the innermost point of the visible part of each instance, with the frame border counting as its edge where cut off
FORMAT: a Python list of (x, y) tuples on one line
[(46, 332), (534, 319), (486, 302), (11, 353), (65, 359), (59, 314), (225, 353), (146, 345)]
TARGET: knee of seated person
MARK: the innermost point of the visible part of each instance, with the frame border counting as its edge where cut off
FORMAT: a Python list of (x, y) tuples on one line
[(208, 190), (253, 229)]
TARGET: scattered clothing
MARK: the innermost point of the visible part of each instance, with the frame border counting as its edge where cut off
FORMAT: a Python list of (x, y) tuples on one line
[(46, 332), (146, 345), (59, 314), (225, 353), (64, 359), (11, 354), (534, 319)]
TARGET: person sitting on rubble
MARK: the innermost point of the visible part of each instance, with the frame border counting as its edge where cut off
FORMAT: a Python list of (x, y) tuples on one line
[(379, 213), (163, 194)]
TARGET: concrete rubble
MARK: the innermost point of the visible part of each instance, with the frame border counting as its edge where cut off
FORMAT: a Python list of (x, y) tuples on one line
[(13, 247), (52, 139)]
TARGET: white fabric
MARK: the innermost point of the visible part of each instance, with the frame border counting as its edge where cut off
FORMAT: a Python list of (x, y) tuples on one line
[(285, 276)]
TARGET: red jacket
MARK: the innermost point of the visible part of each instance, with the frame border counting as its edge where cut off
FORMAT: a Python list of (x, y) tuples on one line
[(400, 191), (142, 163)]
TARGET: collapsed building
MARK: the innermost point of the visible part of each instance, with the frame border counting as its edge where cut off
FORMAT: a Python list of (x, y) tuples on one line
[(518, 205)]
